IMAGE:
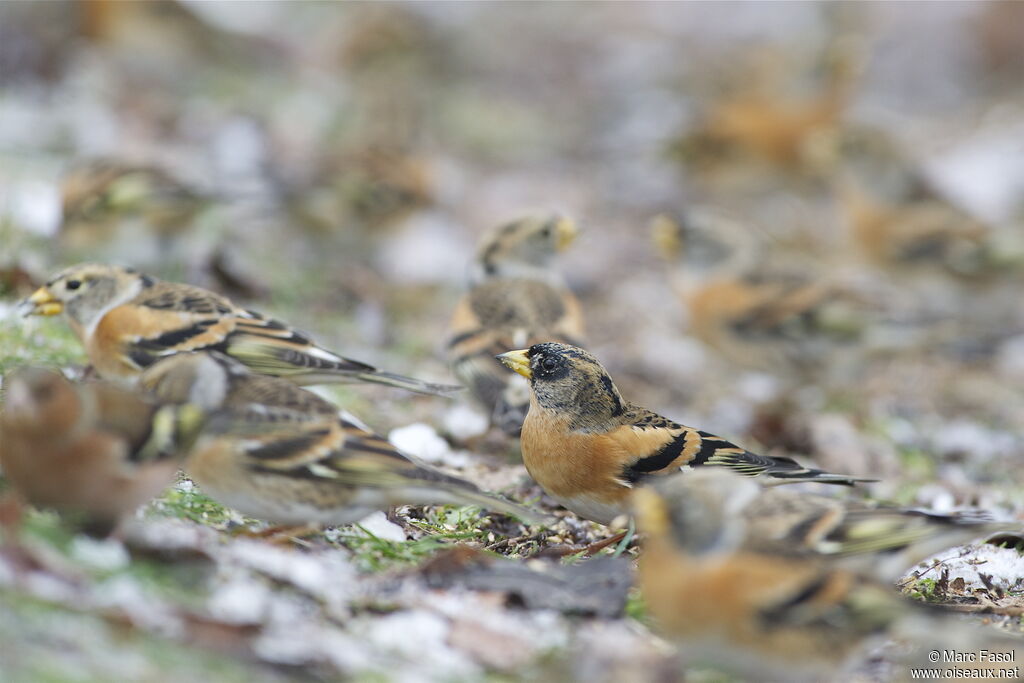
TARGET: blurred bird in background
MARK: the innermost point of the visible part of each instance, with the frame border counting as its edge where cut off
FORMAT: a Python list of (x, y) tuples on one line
[(763, 120), (108, 206), (516, 298), (902, 224), (118, 211), (750, 303)]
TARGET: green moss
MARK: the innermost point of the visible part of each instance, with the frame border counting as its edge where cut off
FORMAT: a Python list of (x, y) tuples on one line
[(443, 527), (916, 463), (925, 590), (47, 526), (184, 502), (636, 608)]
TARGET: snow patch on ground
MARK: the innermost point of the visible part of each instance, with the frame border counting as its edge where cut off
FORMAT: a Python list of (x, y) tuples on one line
[(377, 523), (422, 441), (1004, 565), (240, 600), (464, 422)]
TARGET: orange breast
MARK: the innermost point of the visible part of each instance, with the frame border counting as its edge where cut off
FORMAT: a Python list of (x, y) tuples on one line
[(571, 464)]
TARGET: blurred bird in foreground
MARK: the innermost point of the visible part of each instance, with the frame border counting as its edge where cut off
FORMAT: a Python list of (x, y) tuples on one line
[(588, 447), (773, 613), (92, 450), (882, 542), (516, 299), (127, 321), (758, 312), (277, 452)]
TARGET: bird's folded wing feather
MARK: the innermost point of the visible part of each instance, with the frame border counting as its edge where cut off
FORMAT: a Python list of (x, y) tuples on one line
[(328, 449), (655, 445), (170, 318)]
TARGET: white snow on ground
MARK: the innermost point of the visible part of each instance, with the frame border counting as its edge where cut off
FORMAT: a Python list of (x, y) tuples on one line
[(422, 441), (1004, 565), (240, 600), (377, 524), (463, 422), (985, 172)]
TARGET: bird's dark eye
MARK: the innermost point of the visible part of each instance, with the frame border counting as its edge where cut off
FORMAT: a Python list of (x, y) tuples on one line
[(74, 284), (546, 232), (548, 364)]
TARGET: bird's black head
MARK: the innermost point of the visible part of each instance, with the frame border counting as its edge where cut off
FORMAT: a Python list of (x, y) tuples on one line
[(568, 381)]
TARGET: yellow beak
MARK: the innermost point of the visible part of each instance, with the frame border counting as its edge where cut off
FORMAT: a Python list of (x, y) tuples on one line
[(517, 361), (42, 302), (566, 232), (666, 237)]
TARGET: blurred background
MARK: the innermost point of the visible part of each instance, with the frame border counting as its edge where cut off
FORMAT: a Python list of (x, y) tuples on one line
[(802, 224)]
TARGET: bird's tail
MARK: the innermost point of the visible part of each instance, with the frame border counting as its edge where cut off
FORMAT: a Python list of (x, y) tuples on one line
[(410, 384), (780, 470), (305, 364)]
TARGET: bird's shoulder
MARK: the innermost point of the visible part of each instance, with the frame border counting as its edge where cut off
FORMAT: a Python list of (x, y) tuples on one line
[(184, 298)]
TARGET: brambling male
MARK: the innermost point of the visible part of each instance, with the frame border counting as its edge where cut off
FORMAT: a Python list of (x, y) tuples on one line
[(277, 452), (588, 447), (127, 321), (516, 299), (93, 450), (763, 610)]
